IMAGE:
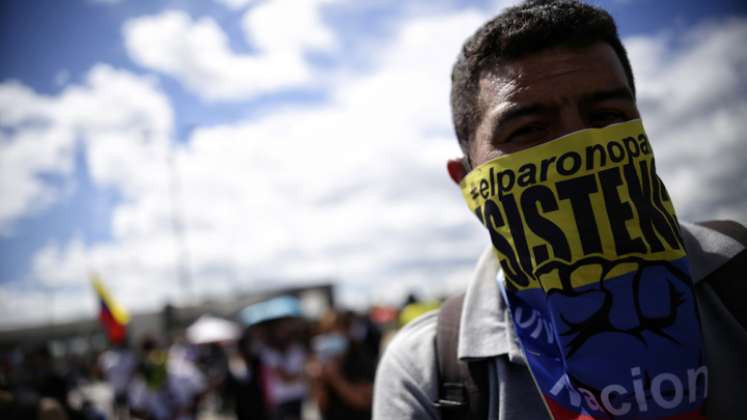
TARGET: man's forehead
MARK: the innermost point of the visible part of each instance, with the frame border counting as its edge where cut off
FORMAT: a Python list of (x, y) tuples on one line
[(543, 73)]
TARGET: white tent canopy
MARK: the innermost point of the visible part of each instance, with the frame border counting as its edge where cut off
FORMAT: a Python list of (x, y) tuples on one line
[(211, 329)]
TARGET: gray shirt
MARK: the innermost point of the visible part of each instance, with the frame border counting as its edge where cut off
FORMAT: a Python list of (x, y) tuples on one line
[(406, 380)]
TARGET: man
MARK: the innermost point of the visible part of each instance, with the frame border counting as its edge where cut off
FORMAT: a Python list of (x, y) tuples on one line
[(341, 371), (118, 365), (584, 307)]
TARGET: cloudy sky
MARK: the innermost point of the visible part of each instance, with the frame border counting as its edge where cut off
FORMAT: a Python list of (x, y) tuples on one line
[(293, 140)]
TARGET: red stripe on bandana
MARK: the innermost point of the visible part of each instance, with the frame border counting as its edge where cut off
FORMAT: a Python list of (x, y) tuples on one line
[(561, 413)]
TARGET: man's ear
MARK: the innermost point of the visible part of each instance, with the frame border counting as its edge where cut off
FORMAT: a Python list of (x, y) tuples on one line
[(457, 169)]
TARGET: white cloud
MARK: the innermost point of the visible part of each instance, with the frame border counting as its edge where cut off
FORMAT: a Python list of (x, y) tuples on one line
[(113, 111), (20, 306), (138, 273), (67, 265), (355, 189), (288, 26), (235, 4), (198, 54), (691, 91), (24, 158)]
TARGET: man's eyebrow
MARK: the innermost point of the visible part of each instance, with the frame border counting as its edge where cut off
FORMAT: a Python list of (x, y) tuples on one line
[(599, 96), (521, 111)]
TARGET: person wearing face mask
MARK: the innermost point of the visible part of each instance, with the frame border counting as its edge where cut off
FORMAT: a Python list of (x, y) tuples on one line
[(341, 371), (244, 380), (593, 301)]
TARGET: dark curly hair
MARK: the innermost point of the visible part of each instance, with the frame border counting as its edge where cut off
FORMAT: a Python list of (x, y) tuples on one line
[(525, 29)]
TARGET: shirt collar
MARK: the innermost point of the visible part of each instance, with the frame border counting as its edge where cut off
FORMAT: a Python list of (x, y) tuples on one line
[(485, 329)]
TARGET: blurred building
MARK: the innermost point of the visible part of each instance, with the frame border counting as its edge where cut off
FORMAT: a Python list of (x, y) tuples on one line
[(85, 335)]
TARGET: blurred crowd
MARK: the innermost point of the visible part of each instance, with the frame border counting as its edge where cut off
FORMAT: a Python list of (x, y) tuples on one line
[(278, 365)]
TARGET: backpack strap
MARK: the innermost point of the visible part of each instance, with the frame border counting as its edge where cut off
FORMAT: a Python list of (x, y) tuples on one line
[(462, 388), (729, 228), (730, 280)]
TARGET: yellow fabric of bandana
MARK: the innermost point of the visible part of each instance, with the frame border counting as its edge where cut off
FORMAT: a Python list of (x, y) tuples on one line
[(571, 198)]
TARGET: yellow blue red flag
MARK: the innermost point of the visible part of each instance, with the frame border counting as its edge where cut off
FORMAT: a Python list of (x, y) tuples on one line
[(113, 317)]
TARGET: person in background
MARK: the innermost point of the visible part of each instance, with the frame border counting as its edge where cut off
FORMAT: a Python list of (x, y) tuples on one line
[(149, 397), (29, 406), (118, 366), (244, 380), (341, 370), (283, 359), (37, 388), (187, 385), (50, 384), (212, 360), (364, 332)]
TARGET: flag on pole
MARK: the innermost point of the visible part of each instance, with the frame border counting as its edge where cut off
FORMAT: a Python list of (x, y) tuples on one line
[(113, 317)]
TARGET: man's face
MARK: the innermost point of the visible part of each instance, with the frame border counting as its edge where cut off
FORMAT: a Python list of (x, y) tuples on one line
[(546, 95)]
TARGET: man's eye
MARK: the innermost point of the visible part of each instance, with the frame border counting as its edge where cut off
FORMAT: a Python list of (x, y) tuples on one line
[(528, 134), (601, 119)]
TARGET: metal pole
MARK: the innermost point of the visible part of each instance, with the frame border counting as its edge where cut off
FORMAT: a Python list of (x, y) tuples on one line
[(180, 236)]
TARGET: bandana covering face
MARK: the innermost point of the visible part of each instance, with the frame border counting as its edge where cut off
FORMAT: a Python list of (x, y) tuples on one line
[(595, 275)]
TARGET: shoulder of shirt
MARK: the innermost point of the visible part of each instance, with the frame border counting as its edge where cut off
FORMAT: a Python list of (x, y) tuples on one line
[(708, 248), (406, 378), (416, 334)]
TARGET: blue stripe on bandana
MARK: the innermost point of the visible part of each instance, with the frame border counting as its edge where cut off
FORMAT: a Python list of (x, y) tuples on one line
[(598, 350)]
